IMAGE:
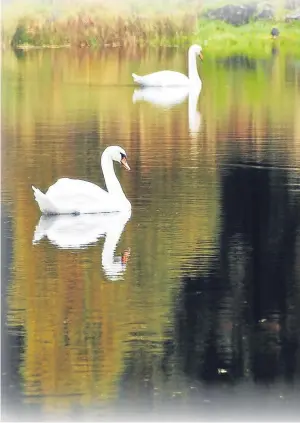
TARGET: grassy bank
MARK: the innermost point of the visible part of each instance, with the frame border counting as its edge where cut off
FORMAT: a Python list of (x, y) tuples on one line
[(219, 37), (253, 38), (98, 26)]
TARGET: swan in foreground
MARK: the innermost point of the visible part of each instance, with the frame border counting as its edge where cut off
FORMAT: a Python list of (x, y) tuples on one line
[(74, 196), (170, 78), (76, 232)]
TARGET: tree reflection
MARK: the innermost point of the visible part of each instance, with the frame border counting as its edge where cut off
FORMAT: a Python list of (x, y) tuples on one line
[(241, 320)]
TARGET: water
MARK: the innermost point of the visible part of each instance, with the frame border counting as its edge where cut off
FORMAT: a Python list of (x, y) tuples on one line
[(196, 314)]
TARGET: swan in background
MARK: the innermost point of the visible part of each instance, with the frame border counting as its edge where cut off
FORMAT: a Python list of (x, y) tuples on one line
[(74, 196), (76, 232), (171, 78)]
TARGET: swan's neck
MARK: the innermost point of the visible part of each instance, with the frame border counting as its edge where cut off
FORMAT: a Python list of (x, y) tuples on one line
[(111, 181), (192, 68)]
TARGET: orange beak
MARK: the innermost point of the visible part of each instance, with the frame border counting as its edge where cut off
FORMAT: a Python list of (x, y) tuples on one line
[(124, 163), (201, 55)]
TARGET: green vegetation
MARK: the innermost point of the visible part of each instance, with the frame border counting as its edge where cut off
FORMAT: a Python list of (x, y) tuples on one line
[(219, 37), (253, 38), (96, 24)]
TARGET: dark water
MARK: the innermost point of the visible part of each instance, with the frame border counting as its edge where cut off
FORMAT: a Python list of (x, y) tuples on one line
[(196, 314)]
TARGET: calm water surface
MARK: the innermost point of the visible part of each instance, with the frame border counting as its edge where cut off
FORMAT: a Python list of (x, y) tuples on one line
[(190, 307)]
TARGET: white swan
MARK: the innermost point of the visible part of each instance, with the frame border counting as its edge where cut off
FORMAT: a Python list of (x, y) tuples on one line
[(74, 196), (76, 232), (170, 78)]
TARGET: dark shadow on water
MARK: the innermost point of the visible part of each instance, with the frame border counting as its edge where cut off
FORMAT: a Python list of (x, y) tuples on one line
[(12, 341), (241, 320)]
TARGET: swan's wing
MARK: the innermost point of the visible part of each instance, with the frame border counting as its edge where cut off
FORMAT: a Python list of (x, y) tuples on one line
[(71, 195), (67, 186)]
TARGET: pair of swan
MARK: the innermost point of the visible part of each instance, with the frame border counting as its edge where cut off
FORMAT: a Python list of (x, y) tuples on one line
[(88, 202), (92, 206), (74, 196)]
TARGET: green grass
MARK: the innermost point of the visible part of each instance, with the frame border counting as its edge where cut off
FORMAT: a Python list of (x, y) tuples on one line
[(252, 38)]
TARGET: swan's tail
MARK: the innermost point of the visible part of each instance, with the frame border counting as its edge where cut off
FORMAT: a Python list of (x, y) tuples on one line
[(46, 206), (137, 78)]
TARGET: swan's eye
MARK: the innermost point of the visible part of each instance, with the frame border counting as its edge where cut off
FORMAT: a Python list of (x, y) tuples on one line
[(123, 156)]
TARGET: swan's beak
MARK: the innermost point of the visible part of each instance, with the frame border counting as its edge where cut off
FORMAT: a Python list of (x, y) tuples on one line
[(201, 55), (125, 164)]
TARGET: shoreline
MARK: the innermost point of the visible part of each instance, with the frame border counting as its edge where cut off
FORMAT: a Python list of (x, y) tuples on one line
[(212, 29), (27, 47), (221, 40)]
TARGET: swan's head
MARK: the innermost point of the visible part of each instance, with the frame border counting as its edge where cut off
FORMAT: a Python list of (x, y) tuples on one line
[(197, 50), (117, 154)]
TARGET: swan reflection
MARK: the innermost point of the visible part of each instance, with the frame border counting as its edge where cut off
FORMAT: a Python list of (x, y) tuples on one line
[(75, 232), (194, 114), (167, 97)]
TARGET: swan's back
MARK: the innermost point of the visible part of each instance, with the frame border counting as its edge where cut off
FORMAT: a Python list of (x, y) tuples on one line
[(73, 187), (74, 195)]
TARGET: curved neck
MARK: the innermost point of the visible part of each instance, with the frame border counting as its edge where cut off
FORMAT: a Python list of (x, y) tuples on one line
[(111, 181), (192, 67)]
